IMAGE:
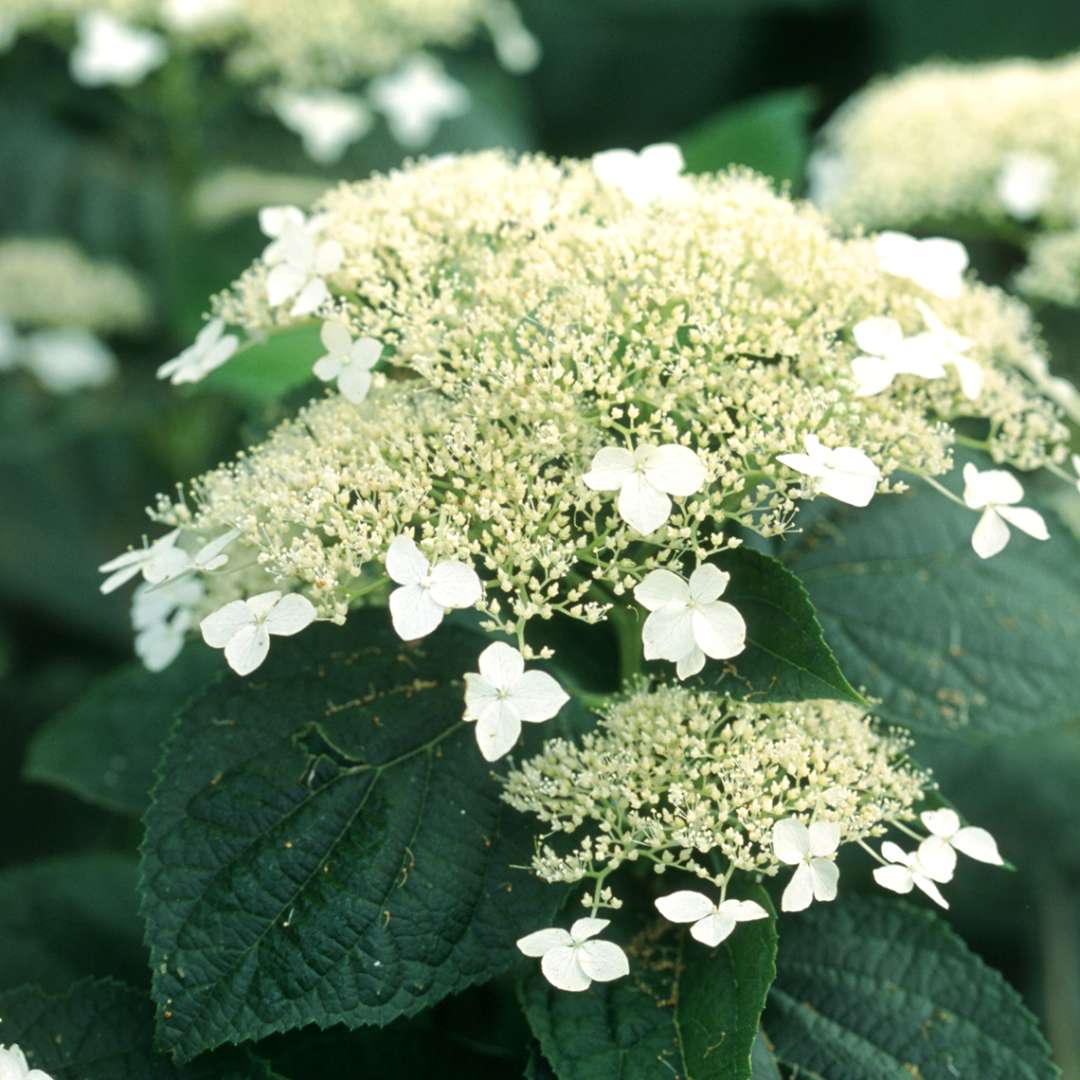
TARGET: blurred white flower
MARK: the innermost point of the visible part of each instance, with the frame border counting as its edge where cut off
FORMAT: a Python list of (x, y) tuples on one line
[(14, 1066), (905, 872), (211, 348), (298, 259), (416, 98), (1025, 182), (68, 360), (157, 562), (426, 593), (515, 47), (950, 348), (827, 175), (243, 627), (842, 473), (161, 616), (938, 851), (886, 353), (813, 853), (712, 922), (111, 51), (995, 492), (935, 264), (349, 362), (194, 16), (570, 960), (644, 177), (327, 121)]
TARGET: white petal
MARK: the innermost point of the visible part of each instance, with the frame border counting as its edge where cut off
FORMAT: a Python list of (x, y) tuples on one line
[(120, 577), (501, 665), (497, 730), (365, 353), (713, 929), (164, 563), (610, 467), (824, 838), (878, 335), (971, 375), (247, 648), (336, 337), (663, 158), (826, 876), (1026, 520), (925, 885), (990, 535), (455, 585), (219, 627), (354, 383), (538, 697), (312, 297), (479, 695), (894, 853), (800, 890), (158, 646), (851, 477), (897, 879), (405, 562), (561, 968), (791, 841), (937, 858), (587, 927), (944, 822), (690, 664), (872, 375), (668, 634), (603, 961), (684, 906), (542, 941), (674, 469), (978, 844), (290, 615), (743, 910), (274, 220), (719, 630), (661, 587), (327, 368), (262, 604), (641, 506), (707, 583), (211, 555), (283, 283), (802, 463), (414, 613), (613, 166), (990, 487)]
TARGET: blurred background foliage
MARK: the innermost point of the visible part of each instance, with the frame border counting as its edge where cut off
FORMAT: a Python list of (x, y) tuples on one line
[(160, 178)]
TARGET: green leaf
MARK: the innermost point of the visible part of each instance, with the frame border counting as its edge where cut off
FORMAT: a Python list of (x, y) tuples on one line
[(770, 133), (762, 1062), (699, 1023), (873, 989), (105, 747), (787, 657), (267, 371), (326, 845), (103, 1030), (950, 642)]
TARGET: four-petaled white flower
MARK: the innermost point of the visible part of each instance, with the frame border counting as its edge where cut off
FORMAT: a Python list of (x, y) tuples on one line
[(298, 259), (68, 359), (712, 922), (995, 492), (570, 960), (161, 560), (111, 51), (644, 478), (348, 361), (687, 620), (14, 1066), (644, 177), (416, 98), (950, 348), (842, 473), (503, 695), (161, 616), (886, 353), (936, 264), (427, 592), (938, 851), (812, 852), (906, 871), (211, 348), (243, 627), (327, 121), (1025, 182)]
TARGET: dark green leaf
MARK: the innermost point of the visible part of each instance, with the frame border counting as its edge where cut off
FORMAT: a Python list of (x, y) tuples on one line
[(870, 989), (326, 845), (762, 1063), (268, 370)]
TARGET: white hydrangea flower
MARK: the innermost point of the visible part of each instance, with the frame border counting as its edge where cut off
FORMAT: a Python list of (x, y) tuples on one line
[(349, 362), (644, 478), (416, 98), (687, 619), (906, 871), (427, 592), (713, 923), (655, 173), (327, 121), (161, 560), (195, 16), (111, 51), (886, 353), (570, 960), (938, 851), (161, 616), (210, 557), (1025, 182), (68, 359), (935, 264), (503, 695), (299, 261), (951, 349), (842, 473), (813, 853), (243, 627), (996, 492), (212, 348), (14, 1066)]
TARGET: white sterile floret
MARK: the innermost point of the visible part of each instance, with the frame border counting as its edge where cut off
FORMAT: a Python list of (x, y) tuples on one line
[(503, 695), (211, 348), (298, 259), (416, 98), (842, 473), (935, 264), (813, 853), (327, 121), (644, 177), (111, 51), (68, 359), (712, 922), (644, 478), (995, 492), (906, 871), (14, 1066), (243, 627), (1025, 182), (886, 353), (349, 362), (570, 960), (951, 348), (938, 851), (427, 592), (161, 560), (687, 619), (210, 557), (161, 616)]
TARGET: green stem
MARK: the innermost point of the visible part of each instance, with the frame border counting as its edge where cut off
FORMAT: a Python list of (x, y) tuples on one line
[(628, 636)]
